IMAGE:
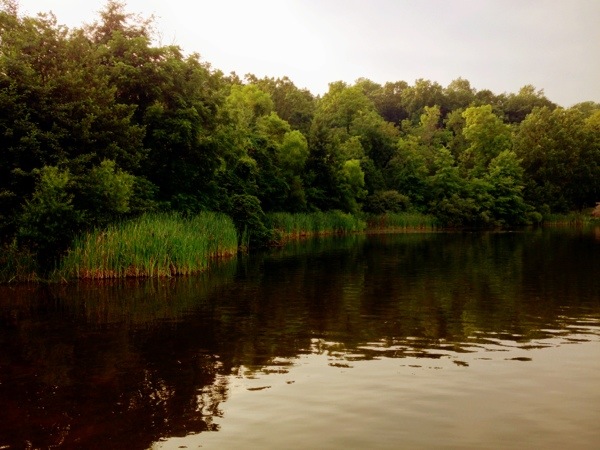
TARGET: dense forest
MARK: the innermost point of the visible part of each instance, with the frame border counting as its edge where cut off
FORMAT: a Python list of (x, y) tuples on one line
[(100, 124)]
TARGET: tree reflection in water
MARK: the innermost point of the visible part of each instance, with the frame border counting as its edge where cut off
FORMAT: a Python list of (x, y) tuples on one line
[(124, 364)]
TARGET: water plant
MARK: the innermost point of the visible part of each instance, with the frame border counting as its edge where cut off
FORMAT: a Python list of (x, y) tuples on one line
[(293, 226), (569, 219), (149, 246), (17, 264), (403, 221)]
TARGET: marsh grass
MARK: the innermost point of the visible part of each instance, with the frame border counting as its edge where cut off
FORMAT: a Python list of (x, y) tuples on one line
[(404, 221), (569, 219), (154, 245), (293, 226), (17, 265)]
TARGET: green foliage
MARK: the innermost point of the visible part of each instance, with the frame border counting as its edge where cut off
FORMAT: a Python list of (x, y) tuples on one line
[(354, 180), (517, 106), (407, 171), (458, 95), (423, 93), (106, 192), (388, 101), (486, 135), (99, 124), (455, 210), (293, 152), (505, 178), (249, 220), (386, 201), (560, 150), (378, 137), (295, 106), (49, 219)]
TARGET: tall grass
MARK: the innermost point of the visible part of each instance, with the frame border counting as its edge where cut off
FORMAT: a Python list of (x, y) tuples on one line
[(293, 226), (569, 219), (150, 246), (404, 221), (17, 265)]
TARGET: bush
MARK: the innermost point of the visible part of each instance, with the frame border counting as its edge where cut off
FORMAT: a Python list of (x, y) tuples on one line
[(249, 220), (386, 201), (49, 220)]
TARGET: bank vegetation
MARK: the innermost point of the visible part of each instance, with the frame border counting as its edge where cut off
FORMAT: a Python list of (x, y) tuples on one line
[(102, 129)]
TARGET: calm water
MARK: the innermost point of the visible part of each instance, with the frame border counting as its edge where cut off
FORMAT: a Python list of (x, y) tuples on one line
[(465, 340)]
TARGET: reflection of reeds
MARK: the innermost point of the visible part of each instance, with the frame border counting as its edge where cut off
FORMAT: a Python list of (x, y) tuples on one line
[(137, 301), (403, 221), (293, 226), (150, 246)]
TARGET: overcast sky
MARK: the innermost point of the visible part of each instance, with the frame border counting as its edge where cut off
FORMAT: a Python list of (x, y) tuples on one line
[(499, 45)]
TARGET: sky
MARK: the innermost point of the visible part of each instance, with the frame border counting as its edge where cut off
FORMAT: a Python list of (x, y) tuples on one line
[(500, 45)]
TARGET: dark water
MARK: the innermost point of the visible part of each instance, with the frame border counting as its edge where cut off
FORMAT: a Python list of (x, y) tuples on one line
[(465, 340)]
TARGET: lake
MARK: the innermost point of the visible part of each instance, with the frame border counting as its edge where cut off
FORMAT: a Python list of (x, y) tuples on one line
[(464, 340)]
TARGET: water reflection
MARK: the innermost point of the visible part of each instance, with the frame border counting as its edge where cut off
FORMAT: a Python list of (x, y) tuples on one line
[(125, 364)]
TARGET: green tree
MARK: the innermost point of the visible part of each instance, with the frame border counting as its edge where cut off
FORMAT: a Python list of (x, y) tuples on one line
[(58, 108), (377, 137), (354, 183), (345, 128), (423, 93), (458, 95), (49, 219), (505, 180), (104, 194), (447, 190), (559, 149), (388, 102), (454, 124), (486, 135), (294, 105), (407, 171), (517, 106)]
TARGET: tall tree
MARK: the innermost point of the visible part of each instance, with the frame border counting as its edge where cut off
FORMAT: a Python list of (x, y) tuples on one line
[(486, 135), (458, 95), (423, 93), (559, 149), (517, 106), (295, 106), (59, 109), (388, 102)]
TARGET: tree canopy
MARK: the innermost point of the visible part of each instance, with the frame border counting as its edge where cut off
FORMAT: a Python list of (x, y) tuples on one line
[(99, 124)]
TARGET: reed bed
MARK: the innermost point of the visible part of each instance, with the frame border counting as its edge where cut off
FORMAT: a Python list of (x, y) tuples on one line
[(569, 219), (154, 245), (294, 226), (404, 221), (17, 265)]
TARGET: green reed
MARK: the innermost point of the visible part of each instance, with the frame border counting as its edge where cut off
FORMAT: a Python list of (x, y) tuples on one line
[(405, 221), (293, 226), (569, 219), (153, 245), (17, 265)]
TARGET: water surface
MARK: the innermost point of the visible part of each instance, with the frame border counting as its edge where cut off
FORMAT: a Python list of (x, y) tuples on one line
[(461, 340)]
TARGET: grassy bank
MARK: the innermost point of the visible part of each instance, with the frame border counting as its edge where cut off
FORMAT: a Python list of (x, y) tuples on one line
[(405, 221), (293, 226), (156, 245), (570, 219), (150, 246)]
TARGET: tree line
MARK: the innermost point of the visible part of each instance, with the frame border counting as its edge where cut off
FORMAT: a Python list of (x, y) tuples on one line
[(99, 124)]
